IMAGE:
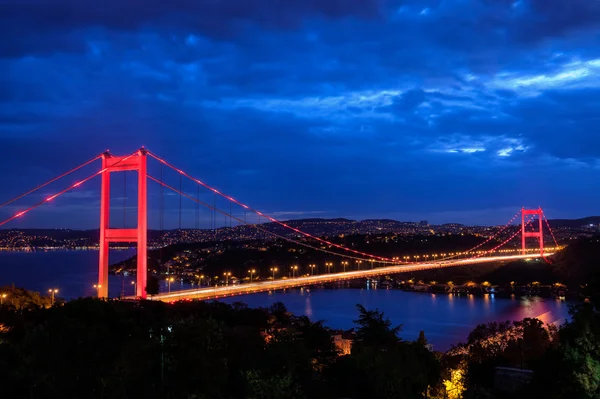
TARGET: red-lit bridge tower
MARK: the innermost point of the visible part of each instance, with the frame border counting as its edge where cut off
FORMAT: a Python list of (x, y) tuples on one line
[(110, 164), (539, 234)]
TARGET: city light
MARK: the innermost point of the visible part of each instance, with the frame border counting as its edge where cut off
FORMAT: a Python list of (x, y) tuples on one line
[(317, 279)]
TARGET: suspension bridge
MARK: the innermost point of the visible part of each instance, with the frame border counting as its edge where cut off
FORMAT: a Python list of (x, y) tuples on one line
[(138, 162)]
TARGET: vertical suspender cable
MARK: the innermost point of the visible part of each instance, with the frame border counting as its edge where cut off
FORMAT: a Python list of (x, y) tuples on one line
[(214, 216), (260, 234), (198, 208), (125, 199), (180, 198)]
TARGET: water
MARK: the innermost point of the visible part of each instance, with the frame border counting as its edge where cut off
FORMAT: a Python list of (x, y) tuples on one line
[(73, 273), (446, 319)]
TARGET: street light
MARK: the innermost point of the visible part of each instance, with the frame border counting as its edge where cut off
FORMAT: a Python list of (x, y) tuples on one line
[(52, 291), (97, 288), (345, 263), (169, 281), (328, 264), (274, 270), (251, 271), (201, 278), (227, 274), (134, 283), (358, 263), (2, 299), (294, 268), (312, 268)]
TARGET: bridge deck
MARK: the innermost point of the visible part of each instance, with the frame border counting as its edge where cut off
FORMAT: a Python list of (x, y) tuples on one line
[(271, 285)]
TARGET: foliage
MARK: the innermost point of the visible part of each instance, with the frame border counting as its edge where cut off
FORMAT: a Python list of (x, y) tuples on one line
[(103, 349), (520, 344), (375, 330), (152, 285), (381, 365), (572, 368), (21, 299), (454, 386)]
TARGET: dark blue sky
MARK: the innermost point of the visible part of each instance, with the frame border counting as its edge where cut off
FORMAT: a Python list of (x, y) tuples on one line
[(445, 110)]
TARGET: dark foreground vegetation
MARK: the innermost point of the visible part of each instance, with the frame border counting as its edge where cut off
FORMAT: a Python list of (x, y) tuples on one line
[(90, 348)]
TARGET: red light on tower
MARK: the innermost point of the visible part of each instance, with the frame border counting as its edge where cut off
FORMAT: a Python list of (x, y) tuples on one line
[(112, 164)]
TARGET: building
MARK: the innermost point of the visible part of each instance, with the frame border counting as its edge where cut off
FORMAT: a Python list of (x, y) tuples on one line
[(343, 341)]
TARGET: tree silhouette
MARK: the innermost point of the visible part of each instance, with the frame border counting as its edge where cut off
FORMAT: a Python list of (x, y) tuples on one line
[(374, 329), (152, 286)]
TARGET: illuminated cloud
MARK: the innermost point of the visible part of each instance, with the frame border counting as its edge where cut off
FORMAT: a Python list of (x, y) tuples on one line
[(314, 104)]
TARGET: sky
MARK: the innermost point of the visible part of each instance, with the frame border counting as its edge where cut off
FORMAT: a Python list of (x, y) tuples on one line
[(439, 110)]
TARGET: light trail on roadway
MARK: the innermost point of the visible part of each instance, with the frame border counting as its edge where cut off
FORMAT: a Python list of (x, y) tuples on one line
[(273, 285)]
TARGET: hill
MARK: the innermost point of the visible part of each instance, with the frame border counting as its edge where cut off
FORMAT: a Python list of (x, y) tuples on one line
[(575, 223), (576, 265), (579, 263)]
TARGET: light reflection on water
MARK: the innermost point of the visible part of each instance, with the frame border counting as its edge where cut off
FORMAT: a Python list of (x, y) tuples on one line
[(446, 319)]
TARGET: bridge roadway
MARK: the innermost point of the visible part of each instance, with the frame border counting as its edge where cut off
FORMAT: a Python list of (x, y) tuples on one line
[(270, 285)]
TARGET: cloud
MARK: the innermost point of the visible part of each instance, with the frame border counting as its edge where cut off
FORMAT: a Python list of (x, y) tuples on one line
[(357, 107), (212, 18)]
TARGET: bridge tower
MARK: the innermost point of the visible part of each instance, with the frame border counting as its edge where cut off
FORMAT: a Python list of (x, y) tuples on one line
[(539, 234), (110, 164)]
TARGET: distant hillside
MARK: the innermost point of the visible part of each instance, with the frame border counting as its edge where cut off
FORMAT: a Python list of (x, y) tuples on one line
[(575, 223), (579, 262), (523, 272)]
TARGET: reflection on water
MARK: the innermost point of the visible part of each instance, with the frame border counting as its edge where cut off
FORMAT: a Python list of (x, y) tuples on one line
[(446, 319), (73, 272)]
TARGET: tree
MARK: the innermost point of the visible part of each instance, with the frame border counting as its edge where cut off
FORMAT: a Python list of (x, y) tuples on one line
[(375, 330), (279, 312), (152, 286), (381, 365), (277, 387), (572, 368), (317, 340)]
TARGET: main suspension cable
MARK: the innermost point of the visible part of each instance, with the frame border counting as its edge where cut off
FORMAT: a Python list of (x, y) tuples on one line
[(256, 226), (308, 235), (550, 229), (50, 181), (50, 198), (272, 219)]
